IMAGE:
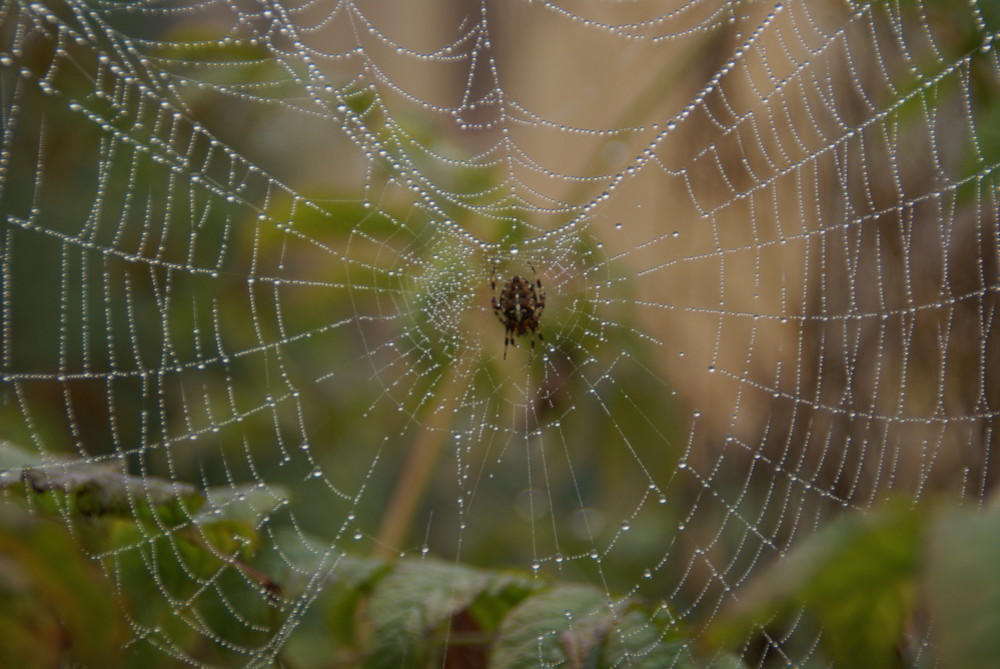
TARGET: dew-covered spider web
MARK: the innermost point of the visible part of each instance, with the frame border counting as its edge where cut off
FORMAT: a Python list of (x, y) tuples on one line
[(248, 246)]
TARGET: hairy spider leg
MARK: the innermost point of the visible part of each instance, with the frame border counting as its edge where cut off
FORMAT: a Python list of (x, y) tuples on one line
[(506, 325), (507, 338), (539, 298)]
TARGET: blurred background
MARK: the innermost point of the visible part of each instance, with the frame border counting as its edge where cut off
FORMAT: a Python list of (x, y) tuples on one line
[(247, 250)]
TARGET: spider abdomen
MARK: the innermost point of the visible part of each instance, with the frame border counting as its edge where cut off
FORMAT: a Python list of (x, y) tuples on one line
[(518, 307)]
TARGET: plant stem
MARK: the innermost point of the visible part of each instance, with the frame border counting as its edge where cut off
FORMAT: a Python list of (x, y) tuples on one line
[(419, 466)]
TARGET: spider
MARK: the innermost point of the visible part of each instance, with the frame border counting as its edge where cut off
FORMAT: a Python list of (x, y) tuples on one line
[(519, 308)]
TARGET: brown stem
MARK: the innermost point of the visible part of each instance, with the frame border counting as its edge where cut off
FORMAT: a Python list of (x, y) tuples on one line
[(419, 467)]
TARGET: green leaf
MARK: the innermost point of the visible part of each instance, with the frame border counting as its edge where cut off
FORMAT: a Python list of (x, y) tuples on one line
[(247, 503), (352, 579), (231, 515), (962, 583), (425, 607), (12, 459), (560, 627), (58, 608), (856, 579), (329, 633), (639, 644), (59, 484), (576, 626)]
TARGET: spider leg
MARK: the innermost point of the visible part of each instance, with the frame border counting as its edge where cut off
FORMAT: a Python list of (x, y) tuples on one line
[(508, 338), (538, 283), (496, 311), (541, 340), (537, 296)]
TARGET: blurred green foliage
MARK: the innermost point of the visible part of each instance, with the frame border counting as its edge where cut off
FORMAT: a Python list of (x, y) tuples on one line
[(869, 583), (368, 612), (371, 613), (58, 608), (866, 585)]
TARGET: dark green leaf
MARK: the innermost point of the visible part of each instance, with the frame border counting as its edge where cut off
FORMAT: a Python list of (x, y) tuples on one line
[(562, 627), (231, 515), (413, 608), (97, 490), (856, 579), (58, 608), (962, 583)]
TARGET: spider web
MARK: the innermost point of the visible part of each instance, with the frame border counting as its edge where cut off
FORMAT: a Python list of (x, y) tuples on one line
[(249, 246)]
